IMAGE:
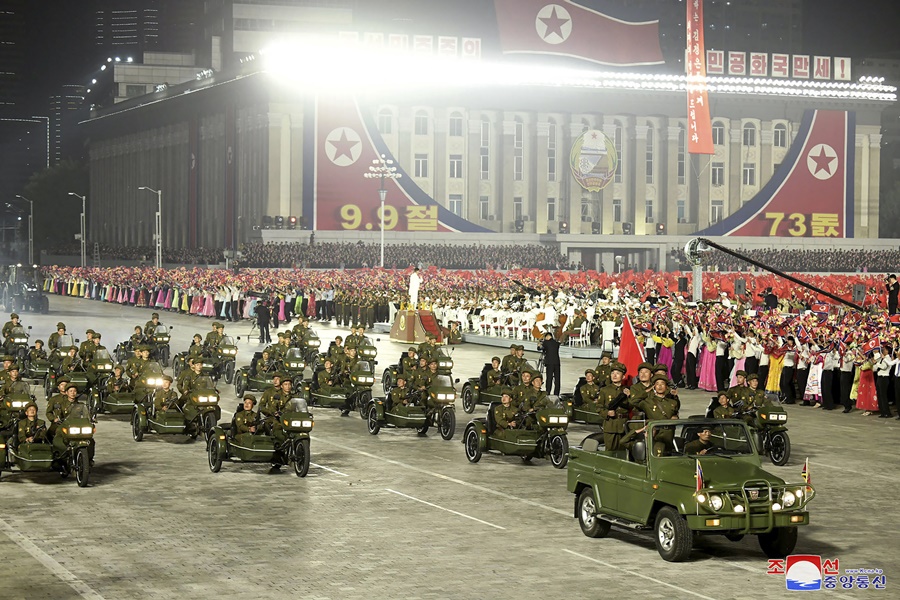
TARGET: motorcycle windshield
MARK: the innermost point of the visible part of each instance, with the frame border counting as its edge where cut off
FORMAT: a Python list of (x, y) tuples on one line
[(362, 368), (299, 405), (293, 354), (18, 332), (161, 330), (152, 369), (443, 381), (204, 383), (227, 341), (66, 340), (78, 410), (102, 355)]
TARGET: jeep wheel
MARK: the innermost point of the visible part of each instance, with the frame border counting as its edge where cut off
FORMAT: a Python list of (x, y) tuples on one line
[(779, 542), (734, 537), (591, 523), (780, 448), (447, 423), (136, 432), (372, 422), (468, 400), (673, 536), (473, 447), (301, 457), (215, 461), (559, 451)]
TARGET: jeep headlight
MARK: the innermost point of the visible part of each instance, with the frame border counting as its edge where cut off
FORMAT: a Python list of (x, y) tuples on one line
[(738, 508), (716, 502), (776, 506), (788, 498)]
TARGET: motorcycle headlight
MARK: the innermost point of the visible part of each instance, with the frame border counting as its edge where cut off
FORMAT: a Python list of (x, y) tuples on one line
[(313, 343), (782, 417), (18, 404), (445, 363), (306, 424), (789, 499), (79, 430), (442, 396), (20, 340), (716, 502)]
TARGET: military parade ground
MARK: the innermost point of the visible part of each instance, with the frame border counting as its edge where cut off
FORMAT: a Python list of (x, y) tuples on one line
[(395, 515)]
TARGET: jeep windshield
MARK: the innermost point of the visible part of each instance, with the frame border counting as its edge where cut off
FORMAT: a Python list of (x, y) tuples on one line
[(717, 438)]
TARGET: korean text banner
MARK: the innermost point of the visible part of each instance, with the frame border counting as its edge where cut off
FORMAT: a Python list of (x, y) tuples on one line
[(699, 124)]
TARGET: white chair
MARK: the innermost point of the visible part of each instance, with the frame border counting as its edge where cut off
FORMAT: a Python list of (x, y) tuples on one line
[(582, 338), (524, 332)]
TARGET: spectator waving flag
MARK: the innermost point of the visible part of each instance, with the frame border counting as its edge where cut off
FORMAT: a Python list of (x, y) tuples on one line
[(699, 476), (871, 346), (631, 354), (567, 28)]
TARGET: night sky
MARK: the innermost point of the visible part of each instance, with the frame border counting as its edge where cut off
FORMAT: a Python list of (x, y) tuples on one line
[(61, 51)]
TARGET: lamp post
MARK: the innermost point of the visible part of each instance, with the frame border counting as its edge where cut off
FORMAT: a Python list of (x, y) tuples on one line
[(83, 228), (30, 228), (158, 224), (382, 168)]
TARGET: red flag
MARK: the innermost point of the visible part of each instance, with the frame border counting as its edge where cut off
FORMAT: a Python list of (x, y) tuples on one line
[(699, 476), (565, 28), (631, 354), (699, 122), (805, 472)]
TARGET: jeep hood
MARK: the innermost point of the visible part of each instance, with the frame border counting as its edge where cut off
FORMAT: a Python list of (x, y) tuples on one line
[(718, 472)]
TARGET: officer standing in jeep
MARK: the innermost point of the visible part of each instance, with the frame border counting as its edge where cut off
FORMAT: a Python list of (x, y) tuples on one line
[(613, 405), (657, 406)]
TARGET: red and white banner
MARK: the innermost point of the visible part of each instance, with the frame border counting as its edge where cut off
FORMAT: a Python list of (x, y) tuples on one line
[(699, 122), (565, 28)]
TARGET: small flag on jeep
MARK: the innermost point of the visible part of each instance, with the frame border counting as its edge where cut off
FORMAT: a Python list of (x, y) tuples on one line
[(699, 476), (805, 472)]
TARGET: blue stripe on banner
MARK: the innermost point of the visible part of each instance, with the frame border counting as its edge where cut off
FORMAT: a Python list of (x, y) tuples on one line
[(753, 206), (409, 186)]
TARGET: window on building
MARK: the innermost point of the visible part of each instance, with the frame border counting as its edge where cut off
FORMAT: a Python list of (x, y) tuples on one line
[(617, 141), (749, 174), (518, 209), (386, 122), (718, 133), (617, 211), (483, 207), (717, 174), (421, 123), (648, 156), (716, 211), (456, 124), (551, 152), (456, 166), (681, 208), (456, 204), (519, 151), (485, 149), (749, 134), (135, 90), (780, 140), (648, 211), (587, 210), (421, 165), (681, 154), (551, 209)]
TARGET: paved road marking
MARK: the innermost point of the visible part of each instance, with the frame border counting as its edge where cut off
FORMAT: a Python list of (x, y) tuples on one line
[(445, 509), (327, 469), (447, 478), (845, 469), (638, 574), (49, 562)]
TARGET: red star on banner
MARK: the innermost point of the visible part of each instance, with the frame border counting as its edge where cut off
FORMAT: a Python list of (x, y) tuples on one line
[(343, 146), (554, 24), (823, 161)]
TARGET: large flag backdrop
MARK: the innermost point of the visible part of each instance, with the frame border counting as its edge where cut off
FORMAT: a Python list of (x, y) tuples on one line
[(566, 28), (811, 193), (346, 140)]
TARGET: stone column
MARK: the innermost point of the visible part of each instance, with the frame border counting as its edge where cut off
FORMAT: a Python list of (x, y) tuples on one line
[(639, 207), (572, 210), (273, 203), (441, 158), (766, 166), (669, 188), (735, 166), (473, 170), (506, 174), (539, 176), (295, 202), (873, 181), (607, 194)]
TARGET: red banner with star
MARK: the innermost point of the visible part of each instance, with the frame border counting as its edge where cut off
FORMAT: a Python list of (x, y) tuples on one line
[(699, 128)]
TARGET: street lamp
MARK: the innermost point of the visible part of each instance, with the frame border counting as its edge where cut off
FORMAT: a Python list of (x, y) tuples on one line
[(158, 224), (83, 227), (382, 168), (30, 228)]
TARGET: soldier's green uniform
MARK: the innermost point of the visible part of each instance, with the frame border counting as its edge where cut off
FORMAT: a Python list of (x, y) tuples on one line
[(271, 391), (9, 326), (510, 362), (214, 338), (613, 426), (502, 417), (660, 408), (400, 400), (603, 372), (243, 421), (740, 395), (590, 393), (520, 393), (408, 363), (327, 381), (86, 350), (116, 384), (723, 412), (640, 390), (165, 400), (57, 408), (195, 350), (697, 446), (37, 354), (183, 377), (53, 340), (189, 382), (135, 367), (352, 340), (69, 363), (36, 429), (274, 404), (150, 326)]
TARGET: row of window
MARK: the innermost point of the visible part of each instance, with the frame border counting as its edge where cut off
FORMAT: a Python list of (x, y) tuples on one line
[(456, 125)]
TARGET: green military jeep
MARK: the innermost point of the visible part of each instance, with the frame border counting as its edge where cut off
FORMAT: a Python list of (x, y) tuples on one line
[(680, 485)]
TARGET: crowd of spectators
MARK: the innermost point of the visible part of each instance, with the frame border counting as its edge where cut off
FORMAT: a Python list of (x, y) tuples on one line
[(145, 254), (360, 255), (808, 261)]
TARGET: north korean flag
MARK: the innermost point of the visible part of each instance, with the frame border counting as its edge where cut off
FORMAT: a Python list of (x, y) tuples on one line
[(565, 28)]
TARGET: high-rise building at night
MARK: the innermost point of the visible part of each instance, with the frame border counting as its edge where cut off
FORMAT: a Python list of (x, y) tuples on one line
[(12, 55)]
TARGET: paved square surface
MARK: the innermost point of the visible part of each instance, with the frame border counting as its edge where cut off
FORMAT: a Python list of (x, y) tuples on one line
[(395, 515)]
